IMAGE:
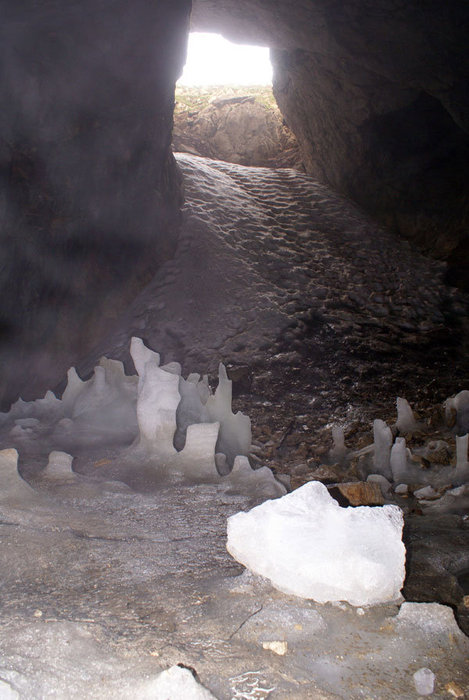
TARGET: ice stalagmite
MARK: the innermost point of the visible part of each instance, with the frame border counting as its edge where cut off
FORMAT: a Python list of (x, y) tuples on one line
[(235, 429), (169, 425), (382, 448), (59, 466), (398, 459), (14, 490), (157, 402), (461, 475), (338, 451), (259, 482), (460, 405), (197, 459), (191, 408), (72, 391), (405, 417), (141, 355)]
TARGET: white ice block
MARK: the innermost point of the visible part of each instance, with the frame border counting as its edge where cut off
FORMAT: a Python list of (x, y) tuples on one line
[(307, 545)]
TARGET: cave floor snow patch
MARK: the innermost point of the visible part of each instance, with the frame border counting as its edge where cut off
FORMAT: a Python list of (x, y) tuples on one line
[(308, 546)]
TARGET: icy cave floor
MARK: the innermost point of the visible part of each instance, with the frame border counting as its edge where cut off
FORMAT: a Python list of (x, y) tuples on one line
[(101, 592), (321, 318)]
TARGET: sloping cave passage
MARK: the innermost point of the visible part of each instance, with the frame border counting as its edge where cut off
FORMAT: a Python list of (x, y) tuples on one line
[(377, 99), (316, 290)]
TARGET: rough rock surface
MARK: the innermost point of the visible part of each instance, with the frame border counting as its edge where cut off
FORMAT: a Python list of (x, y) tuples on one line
[(90, 194), (377, 97), (237, 129)]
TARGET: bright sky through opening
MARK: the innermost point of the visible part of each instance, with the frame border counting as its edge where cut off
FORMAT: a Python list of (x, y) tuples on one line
[(212, 60)]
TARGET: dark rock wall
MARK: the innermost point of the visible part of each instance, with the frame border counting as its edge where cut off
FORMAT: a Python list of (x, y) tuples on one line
[(377, 94), (89, 194)]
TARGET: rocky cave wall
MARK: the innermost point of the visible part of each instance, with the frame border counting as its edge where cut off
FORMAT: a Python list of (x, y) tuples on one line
[(377, 95), (89, 190)]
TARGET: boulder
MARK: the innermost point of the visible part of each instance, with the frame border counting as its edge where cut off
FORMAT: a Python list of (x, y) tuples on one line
[(237, 129)]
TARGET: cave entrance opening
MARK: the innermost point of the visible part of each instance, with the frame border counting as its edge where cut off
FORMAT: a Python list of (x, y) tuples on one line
[(213, 61), (225, 107)]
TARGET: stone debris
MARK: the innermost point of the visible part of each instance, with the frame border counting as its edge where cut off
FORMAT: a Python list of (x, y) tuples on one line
[(360, 493), (454, 690), (279, 648)]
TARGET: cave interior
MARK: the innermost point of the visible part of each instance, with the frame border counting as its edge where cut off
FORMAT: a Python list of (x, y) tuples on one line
[(326, 293)]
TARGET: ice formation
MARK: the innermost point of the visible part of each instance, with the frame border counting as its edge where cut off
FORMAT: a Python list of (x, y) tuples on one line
[(462, 463), (256, 481), (173, 410), (174, 426), (308, 546), (382, 448), (215, 442), (398, 460), (59, 466), (338, 450), (431, 469), (459, 404), (176, 682), (235, 429), (405, 417), (14, 489)]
